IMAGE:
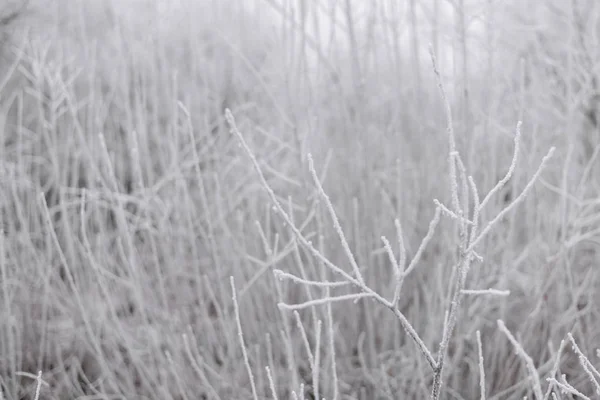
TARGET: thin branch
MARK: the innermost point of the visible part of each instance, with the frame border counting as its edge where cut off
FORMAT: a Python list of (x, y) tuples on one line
[(413, 263), (567, 388), (236, 310), (271, 384), (395, 264), (588, 367), (554, 369), (281, 275), (533, 373), (450, 131), (323, 301), (408, 328), (401, 245), (511, 168), (334, 380), (336, 222), (451, 213), (512, 205), (481, 370), (476, 209)]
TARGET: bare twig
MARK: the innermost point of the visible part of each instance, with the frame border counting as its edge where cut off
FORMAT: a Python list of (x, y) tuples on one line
[(323, 301), (481, 370), (533, 373), (516, 201), (238, 322), (367, 292)]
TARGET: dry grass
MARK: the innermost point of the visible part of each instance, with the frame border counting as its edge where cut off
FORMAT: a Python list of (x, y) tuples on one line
[(388, 227)]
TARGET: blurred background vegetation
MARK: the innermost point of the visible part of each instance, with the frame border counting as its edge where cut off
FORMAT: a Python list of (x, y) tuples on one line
[(126, 203)]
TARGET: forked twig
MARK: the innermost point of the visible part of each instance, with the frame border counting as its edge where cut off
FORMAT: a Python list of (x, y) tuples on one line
[(356, 281), (470, 236)]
